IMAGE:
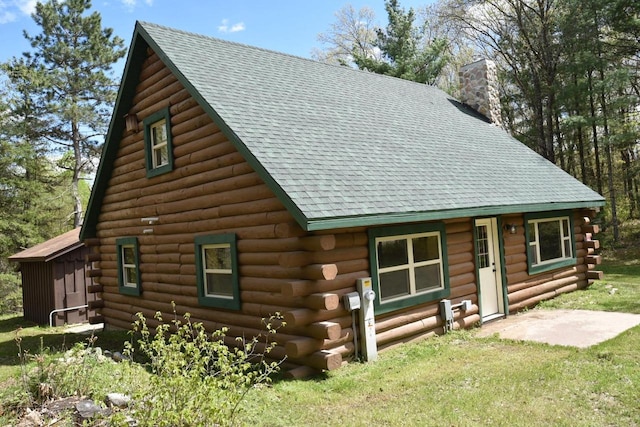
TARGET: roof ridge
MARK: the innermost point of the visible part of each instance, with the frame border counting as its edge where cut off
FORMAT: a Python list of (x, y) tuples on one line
[(279, 53)]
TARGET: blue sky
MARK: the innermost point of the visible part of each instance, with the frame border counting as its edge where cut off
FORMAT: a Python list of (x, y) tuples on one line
[(289, 26)]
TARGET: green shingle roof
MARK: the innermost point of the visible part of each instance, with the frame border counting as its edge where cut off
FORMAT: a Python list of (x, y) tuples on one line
[(343, 147)]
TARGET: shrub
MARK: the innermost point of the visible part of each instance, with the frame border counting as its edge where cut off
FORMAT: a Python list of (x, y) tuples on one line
[(10, 288), (197, 378)]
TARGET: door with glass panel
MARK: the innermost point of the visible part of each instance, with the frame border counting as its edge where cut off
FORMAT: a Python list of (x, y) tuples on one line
[(488, 267)]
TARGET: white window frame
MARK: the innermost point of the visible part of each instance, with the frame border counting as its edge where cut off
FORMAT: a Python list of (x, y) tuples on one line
[(124, 286), (126, 267), (157, 147), (535, 242), (411, 264), (206, 270)]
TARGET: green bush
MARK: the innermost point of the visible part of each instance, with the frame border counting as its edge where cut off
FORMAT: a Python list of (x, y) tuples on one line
[(197, 378), (10, 288)]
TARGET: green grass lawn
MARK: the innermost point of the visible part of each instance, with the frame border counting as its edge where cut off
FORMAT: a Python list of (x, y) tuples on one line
[(455, 380), (459, 380), (618, 291)]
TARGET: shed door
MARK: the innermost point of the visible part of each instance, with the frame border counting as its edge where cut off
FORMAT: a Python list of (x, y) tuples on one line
[(488, 265)]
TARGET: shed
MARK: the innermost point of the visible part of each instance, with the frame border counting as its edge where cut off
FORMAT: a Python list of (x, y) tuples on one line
[(237, 182), (54, 278)]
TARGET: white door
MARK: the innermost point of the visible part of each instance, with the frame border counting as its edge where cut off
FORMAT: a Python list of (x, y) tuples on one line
[(488, 265)]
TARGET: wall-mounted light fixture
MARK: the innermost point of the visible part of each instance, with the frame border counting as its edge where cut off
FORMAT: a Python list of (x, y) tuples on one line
[(151, 220), (511, 228), (131, 122)]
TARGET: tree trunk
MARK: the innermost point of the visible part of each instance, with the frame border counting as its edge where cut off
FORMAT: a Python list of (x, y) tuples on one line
[(77, 168), (580, 135), (627, 157), (636, 196), (583, 163), (565, 148), (612, 191), (594, 127), (548, 138)]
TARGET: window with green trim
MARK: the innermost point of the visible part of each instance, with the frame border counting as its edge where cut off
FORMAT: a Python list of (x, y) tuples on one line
[(409, 265), (158, 143), (550, 242), (217, 271), (128, 266)]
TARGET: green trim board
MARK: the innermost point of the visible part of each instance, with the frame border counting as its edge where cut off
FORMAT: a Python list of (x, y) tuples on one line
[(123, 243), (564, 262), (476, 250), (232, 303), (148, 122), (503, 267), (400, 218), (418, 298)]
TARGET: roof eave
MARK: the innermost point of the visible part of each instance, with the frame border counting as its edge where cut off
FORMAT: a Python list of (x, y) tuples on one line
[(47, 257), (405, 217)]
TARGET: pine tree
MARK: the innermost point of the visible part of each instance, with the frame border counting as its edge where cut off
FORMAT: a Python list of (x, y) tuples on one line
[(404, 52), (33, 191), (68, 73)]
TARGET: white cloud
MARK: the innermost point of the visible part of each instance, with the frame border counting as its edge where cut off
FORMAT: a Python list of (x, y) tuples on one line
[(6, 17), (225, 28), (237, 27), (9, 10), (26, 6), (131, 4)]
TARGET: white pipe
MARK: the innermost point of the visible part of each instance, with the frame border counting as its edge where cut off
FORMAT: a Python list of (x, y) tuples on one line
[(60, 310)]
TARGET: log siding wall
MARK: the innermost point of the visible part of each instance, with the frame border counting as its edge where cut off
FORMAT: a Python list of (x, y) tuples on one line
[(213, 190)]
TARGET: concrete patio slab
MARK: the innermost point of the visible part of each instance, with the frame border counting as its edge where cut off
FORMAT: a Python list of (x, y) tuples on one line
[(577, 328)]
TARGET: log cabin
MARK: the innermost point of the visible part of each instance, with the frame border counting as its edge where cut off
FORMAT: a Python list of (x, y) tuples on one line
[(239, 182)]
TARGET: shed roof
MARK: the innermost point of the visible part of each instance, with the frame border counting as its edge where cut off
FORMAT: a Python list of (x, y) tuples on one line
[(51, 249), (342, 147)]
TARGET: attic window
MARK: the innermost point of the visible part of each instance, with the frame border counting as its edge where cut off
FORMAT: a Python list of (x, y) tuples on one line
[(550, 242), (409, 265), (158, 143)]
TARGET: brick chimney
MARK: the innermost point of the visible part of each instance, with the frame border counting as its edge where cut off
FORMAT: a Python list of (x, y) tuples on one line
[(479, 89)]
